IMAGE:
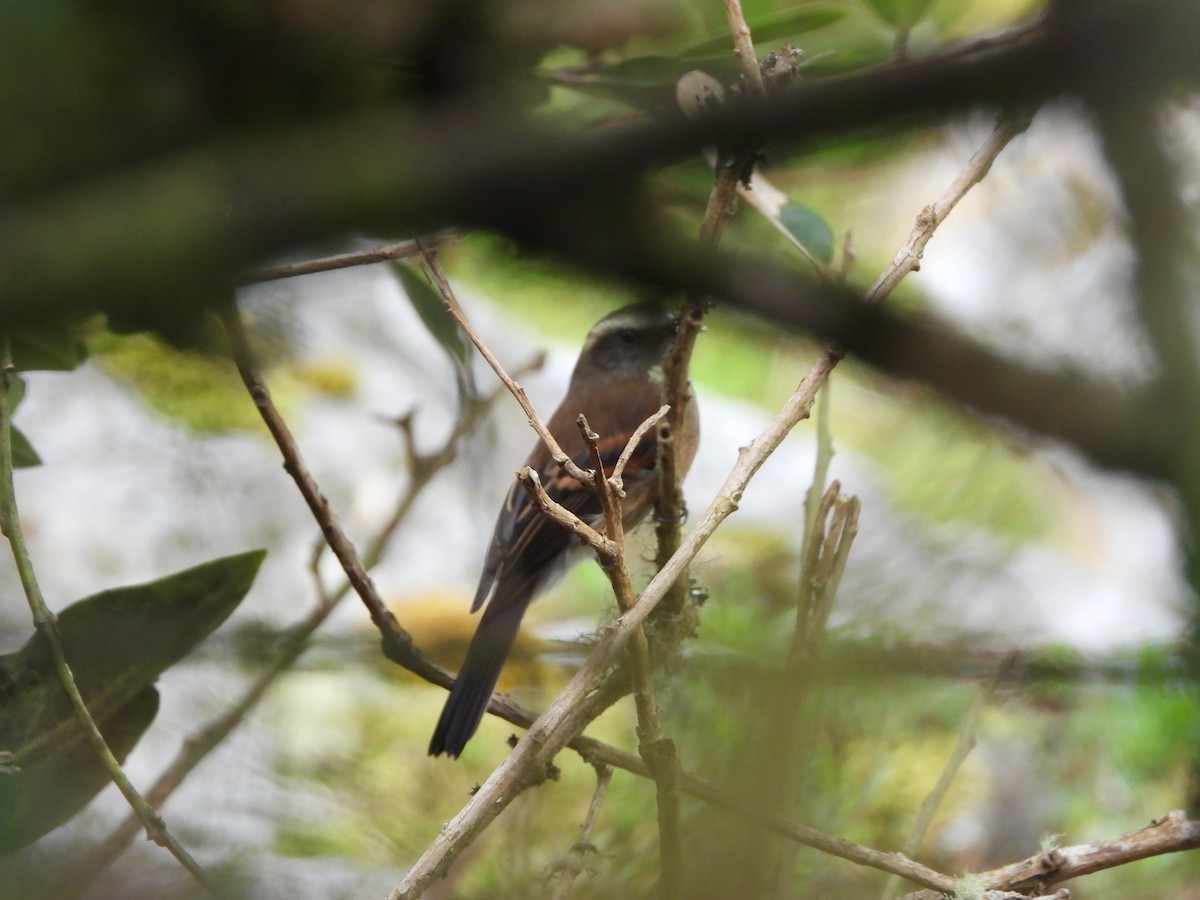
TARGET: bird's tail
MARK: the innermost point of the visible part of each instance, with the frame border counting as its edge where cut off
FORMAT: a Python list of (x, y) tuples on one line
[(473, 688)]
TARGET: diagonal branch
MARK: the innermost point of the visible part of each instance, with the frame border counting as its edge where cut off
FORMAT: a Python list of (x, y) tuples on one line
[(397, 642), (908, 257), (655, 748), (434, 268), (552, 731), (370, 256)]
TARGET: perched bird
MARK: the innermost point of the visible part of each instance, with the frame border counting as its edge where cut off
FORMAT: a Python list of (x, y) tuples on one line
[(617, 384)]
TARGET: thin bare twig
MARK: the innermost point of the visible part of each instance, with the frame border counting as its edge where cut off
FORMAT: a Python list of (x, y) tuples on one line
[(660, 752), (46, 624), (397, 642), (367, 257), (908, 257), (635, 439), (434, 268), (1173, 832), (963, 746), (825, 561), (825, 453), (655, 748), (570, 868), (669, 507), (743, 48)]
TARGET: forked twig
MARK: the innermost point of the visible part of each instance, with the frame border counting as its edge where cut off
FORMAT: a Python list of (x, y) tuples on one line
[(570, 869), (908, 257), (367, 257)]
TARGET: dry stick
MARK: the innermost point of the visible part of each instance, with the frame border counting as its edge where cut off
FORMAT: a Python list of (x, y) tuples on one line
[(370, 256), (669, 506), (743, 48), (422, 468), (825, 551), (571, 868), (908, 257), (551, 732), (1173, 832), (962, 748), (46, 624), (397, 642), (825, 454), (434, 268), (835, 551), (655, 748), (821, 574)]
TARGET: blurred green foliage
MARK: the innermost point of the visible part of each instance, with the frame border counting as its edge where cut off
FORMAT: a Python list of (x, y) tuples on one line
[(202, 390), (88, 94), (198, 390)]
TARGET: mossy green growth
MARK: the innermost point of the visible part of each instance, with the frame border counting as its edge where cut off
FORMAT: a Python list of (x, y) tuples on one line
[(201, 390)]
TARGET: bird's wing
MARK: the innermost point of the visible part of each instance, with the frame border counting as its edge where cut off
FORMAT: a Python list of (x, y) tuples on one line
[(525, 541)]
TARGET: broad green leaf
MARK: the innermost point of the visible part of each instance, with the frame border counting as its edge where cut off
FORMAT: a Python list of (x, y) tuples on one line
[(117, 643), (445, 330), (45, 793), (16, 392), (54, 350), (23, 454), (648, 82), (773, 28), (809, 229)]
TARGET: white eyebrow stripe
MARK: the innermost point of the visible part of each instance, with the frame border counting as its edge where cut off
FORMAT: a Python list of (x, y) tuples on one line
[(621, 322)]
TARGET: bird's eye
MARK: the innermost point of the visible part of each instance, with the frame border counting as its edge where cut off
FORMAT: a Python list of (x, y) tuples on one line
[(628, 335)]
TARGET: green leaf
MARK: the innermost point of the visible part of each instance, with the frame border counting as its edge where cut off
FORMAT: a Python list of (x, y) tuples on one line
[(16, 392), (809, 229), (117, 643), (900, 14), (40, 796), (773, 28), (23, 454), (445, 330), (57, 350)]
